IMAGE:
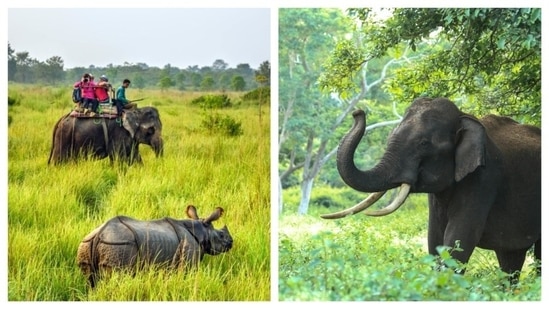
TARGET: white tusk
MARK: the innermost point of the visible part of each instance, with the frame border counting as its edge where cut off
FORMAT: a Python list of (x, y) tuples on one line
[(397, 202), (367, 202)]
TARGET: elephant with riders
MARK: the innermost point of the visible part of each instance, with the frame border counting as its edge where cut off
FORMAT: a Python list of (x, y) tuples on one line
[(76, 136)]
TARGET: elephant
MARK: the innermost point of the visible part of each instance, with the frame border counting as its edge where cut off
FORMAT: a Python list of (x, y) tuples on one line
[(99, 137), (127, 243), (482, 177)]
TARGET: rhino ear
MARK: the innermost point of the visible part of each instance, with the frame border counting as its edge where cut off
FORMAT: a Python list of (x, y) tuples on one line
[(129, 122), (191, 212), (218, 212)]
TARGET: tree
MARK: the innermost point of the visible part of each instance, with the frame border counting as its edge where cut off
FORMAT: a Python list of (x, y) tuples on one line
[(12, 63), (219, 65), (306, 36), (238, 83), (139, 82), (224, 80), (207, 83), (485, 59), (165, 83), (310, 120), (23, 62), (263, 74), (196, 79), (244, 69), (54, 68), (180, 79)]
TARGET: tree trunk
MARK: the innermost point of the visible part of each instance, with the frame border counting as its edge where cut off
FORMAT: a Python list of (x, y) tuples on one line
[(306, 188)]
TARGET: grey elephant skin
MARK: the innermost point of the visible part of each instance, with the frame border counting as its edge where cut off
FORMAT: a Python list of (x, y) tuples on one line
[(75, 138), (482, 176), (126, 243)]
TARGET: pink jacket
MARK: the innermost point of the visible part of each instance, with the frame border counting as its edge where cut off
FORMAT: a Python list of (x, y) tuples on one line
[(88, 90)]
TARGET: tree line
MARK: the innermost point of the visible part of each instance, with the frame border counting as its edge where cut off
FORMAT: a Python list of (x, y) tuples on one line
[(22, 68)]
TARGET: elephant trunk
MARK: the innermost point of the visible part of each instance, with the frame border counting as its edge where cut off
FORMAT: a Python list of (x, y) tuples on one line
[(157, 145), (373, 180)]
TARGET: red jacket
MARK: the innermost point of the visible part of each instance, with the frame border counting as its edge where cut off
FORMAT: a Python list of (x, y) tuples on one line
[(102, 91)]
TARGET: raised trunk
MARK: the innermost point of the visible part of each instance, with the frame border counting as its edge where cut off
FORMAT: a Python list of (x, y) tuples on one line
[(373, 180)]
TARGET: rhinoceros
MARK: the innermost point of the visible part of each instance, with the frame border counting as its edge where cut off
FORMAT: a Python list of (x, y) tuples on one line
[(124, 242)]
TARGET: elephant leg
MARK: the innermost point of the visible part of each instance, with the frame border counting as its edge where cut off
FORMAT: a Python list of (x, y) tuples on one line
[(511, 262)]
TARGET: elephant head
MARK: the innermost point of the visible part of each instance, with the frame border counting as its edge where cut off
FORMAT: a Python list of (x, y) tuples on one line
[(145, 127), (433, 147)]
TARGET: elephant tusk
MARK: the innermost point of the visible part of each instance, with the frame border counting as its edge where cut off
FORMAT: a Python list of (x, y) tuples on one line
[(367, 202), (397, 202)]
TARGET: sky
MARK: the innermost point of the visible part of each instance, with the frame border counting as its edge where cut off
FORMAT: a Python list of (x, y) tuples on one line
[(180, 37)]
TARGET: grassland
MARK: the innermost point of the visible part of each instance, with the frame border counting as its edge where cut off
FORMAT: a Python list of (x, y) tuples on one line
[(50, 209)]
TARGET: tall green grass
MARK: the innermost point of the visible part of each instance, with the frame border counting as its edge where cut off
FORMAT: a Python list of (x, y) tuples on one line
[(51, 208)]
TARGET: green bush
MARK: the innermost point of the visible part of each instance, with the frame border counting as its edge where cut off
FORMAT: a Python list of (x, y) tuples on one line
[(13, 101), (219, 124), (263, 93), (212, 101), (361, 258)]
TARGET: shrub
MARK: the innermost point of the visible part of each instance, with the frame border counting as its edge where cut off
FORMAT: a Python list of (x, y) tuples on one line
[(218, 124), (211, 101), (13, 100), (263, 93)]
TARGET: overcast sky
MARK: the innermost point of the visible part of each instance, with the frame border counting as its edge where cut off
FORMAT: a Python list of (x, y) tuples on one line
[(178, 36)]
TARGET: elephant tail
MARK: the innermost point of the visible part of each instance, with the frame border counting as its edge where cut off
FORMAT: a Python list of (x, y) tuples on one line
[(53, 135)]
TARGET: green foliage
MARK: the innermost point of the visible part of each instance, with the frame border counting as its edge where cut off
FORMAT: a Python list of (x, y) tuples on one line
[(216, 123), (165, 83), (363, 258), (340, 68), (207, 83), (138, 82), (212, 101), (306, 115), (262, 93), (238, 83), (13, 101), (51, 208), (263, 74), (489, 59)]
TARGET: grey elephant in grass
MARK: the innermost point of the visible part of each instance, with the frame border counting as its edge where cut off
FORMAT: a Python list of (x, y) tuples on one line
[(482, 176), (126, 243), (76, 136)]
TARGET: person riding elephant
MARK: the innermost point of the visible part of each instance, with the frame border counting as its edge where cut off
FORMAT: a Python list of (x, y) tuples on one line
[(120, 100), (74, 137)]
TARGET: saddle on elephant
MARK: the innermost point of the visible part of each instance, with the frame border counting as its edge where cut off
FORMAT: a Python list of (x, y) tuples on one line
[(105, 110)]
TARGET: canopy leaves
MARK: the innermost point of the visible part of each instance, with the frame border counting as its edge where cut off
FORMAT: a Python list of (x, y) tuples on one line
[(488, 60)]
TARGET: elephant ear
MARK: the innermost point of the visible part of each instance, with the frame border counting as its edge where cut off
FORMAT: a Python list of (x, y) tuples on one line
[(471, 148), (130, 122)]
